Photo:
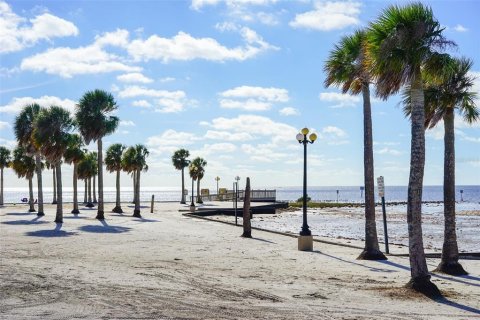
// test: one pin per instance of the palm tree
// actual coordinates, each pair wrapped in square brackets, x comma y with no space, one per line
[4,163]
[442,97]
[23,129]
[74,154]
[399,44]
[193,171]
[24,166]
[94,122]
[200,165]
[180,162]
[345,67]
[113,162]
[51,135]
[135,160]
[87,168]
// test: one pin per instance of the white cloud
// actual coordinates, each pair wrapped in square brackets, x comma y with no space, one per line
[252,98]
[460,28]
[389,151]
[216,148]
[341,100]
[142,104]
[134,77]
[248,105]
[164,101]
[289,111]
[127,123]
[329,15]
[10,144]
[170,140]
[198,4]
[16,33]
[261,93]
[167,79]
[333,136]
[335,131]
[228,136]
[67,62]
[117,38]
[184,47]
[4,125]
[17,104]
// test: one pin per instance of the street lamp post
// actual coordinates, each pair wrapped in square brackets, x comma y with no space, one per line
[305,241]
[237,178]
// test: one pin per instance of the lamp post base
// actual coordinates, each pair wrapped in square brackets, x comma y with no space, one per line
[305,243]
[192,208]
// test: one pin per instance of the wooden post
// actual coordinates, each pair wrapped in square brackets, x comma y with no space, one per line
[247,226]
[151,205]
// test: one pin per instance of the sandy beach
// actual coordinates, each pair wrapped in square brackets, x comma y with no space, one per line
[169,266]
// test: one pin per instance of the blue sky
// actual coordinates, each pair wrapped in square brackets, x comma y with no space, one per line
[232,81]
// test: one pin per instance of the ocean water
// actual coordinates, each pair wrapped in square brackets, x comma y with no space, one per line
[470,195]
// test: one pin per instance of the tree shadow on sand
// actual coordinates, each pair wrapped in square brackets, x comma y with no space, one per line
[19,213]
[355,263]
[459,279]
[25,222]
[104,228]
[57,232]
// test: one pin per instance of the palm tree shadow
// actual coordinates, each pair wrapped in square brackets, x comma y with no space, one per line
[355,263]
[25,222]
[444,277]
[458,305]
[104,228]
[145,220]
[19,213]
[57,232]
[263,240]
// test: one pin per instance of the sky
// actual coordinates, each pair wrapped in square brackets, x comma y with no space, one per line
[232,81]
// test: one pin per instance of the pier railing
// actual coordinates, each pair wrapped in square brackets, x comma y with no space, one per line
[255,196]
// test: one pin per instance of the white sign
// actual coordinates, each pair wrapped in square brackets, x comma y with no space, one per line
[381,186]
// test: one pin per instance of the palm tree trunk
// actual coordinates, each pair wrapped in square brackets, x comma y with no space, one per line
[199,196]
[89,202]
[134,186]
[85,193]
[1,187]
[183,186]
[59,215]
[100,212]
[38,167]
[247,227]
[449,263]
[75,196]
[136,212]
[420,278]
[371,251]
[118,207]
[30,195]
[54,186]
[94,191]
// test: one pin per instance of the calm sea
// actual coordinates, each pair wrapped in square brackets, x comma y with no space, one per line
[470,194]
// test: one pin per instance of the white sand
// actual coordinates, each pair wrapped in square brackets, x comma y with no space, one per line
[168,266]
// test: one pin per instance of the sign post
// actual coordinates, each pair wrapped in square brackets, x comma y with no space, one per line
[381,193]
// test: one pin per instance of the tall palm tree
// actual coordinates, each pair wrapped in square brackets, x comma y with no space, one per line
[135,160]
[73,155]
[113,162]
[452,91]
[23,129]
[200,165]
[87,168]
[400,43]
[180,162]
[4,163]
[94,122]
[345,67]
[51,134]
[24,166]
[193,171]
